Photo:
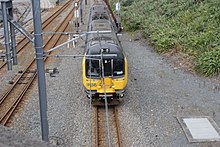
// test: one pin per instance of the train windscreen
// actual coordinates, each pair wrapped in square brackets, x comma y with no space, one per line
[111,68]
[118,67]
[92,68]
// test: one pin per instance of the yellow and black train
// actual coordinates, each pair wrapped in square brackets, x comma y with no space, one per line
[104,66]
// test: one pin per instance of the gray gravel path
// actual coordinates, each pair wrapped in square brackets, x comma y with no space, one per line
[157,93]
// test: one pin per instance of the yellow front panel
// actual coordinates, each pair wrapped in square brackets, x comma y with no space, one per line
[108,87]
[111,84]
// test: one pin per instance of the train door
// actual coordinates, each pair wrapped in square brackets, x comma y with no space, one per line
[108,73]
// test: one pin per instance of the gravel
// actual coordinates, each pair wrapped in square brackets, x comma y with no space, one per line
[157,93]
[6,76]
[69,112]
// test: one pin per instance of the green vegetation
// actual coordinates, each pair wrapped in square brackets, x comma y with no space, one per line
[191,26]
[209,63]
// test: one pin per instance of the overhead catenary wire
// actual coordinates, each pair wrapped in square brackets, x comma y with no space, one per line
[90,102]
[88,56]
[90,97]
[105,97]
[100,58]
[78,37]
[106,105]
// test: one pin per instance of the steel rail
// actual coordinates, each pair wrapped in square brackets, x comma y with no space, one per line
[97,127]
[14,105]
[54,39]
[15,82]
[24,42]
[114,121]
[117,127]
[26,9]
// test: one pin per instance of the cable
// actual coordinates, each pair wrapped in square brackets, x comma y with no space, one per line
[90,100]
[105,98]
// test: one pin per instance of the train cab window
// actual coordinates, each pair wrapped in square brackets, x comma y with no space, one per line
[107,67]
[92,68]
[118,68]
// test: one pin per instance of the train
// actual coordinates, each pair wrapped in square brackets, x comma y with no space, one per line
[104,65]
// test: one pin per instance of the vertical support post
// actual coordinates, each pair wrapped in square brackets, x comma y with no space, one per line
[13,40]
[81,10]
[38,42]
[85,2]
[6,34]
[71,44]
[74,42]
[118,18]
[68,45]
[76,16]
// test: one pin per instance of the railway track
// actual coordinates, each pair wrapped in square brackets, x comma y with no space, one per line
[25,43]
[102,138]
[13,96]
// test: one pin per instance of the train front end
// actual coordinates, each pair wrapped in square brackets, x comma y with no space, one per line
[105,76]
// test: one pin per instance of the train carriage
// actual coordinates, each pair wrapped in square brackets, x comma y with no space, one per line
[104,66]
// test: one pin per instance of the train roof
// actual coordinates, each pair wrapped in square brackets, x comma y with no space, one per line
[108,49]
[102,40]
[98,8]
[100,24]
[100,21]
[99,11]
[96,16]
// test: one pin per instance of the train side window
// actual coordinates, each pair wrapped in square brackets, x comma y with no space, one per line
[118,68]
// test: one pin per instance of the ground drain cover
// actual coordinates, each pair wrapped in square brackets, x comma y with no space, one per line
[200,129]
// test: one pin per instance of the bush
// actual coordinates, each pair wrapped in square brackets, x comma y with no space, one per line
[126,3]
[208,63]
[191,24]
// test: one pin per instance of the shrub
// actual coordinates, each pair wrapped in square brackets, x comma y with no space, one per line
[126,3]
[191,24]
[208,63]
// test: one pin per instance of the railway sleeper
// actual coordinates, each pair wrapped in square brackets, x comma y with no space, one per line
[22,82]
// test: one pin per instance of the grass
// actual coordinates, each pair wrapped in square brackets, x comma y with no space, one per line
[191,25]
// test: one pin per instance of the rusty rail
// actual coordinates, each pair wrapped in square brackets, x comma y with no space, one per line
[24,42]
[16,92]
[111,12]
[100,127]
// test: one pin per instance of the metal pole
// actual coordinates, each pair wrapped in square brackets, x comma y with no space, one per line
[76,15]
[77,20]
[106,106]
[13,41]
[118,12]
[38,42]
[6,34]
[119,19]
[81,10]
